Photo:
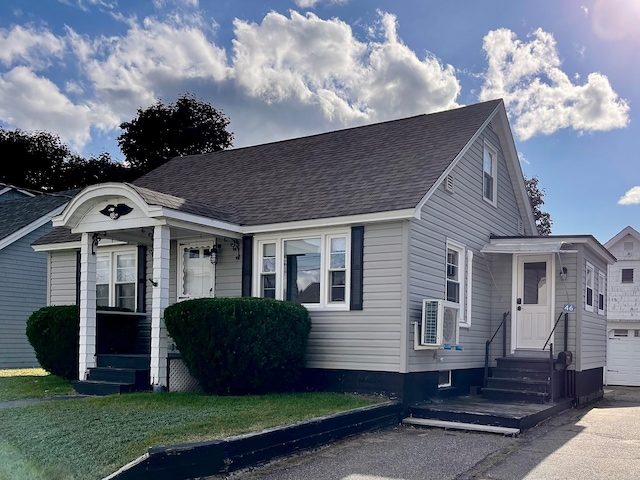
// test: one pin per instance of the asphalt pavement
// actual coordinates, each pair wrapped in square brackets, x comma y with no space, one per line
[601,441]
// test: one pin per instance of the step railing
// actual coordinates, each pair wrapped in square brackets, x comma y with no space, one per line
[505,315]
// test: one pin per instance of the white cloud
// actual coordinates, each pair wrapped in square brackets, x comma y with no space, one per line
[320,62]
[632,197]
[539,96]
[313,3]
[29,45]
[585,9]
[35,103]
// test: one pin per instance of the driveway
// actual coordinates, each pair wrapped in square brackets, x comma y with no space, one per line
[599,442]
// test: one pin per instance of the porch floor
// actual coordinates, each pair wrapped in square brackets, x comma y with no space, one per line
[481,411]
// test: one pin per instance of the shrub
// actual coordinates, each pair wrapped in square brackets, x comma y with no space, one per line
[53,333]
[240,346]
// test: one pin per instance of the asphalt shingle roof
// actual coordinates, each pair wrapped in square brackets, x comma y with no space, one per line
[375,168]
[16,214]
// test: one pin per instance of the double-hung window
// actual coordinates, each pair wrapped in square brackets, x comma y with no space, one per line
[458,272]
[489,174]
[589,280]
[602,288]
[309,269]
[116,275]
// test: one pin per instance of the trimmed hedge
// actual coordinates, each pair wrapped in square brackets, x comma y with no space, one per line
[53,332]
[241,346]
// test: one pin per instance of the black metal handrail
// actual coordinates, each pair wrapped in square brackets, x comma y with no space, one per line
[505,315]
[566,316]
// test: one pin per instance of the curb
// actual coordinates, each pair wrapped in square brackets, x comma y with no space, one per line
[194,460]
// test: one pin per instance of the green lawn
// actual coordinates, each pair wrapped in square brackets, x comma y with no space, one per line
[90,438]
[31,383]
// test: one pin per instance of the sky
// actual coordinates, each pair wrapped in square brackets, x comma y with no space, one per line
[568,71]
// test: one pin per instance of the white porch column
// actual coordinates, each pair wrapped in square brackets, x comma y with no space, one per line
[87,339]
[161,236]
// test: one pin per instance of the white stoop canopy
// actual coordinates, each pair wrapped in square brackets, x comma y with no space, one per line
[524,245]
[128,213]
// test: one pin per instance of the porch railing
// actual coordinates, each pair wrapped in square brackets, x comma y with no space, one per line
[505,315]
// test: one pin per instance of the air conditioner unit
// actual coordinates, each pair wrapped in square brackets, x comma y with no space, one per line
[440,324]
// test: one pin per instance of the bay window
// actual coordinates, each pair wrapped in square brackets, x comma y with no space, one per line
[309,269]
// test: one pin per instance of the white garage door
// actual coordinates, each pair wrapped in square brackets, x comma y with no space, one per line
[623,357]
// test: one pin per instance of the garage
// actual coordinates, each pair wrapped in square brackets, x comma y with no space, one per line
[623,357]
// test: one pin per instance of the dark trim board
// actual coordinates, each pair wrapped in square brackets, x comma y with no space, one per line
[408,388]
[203,459]
[587,385]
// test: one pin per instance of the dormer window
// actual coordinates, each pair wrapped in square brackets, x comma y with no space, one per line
[489,174]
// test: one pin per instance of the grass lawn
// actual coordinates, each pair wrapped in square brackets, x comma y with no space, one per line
[90,438]
[31,383]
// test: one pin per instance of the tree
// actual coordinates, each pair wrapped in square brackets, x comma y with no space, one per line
[161,132]
[536,197]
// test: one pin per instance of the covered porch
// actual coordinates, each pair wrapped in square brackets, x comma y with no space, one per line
[140,251]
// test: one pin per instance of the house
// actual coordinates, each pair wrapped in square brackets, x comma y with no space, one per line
[23,272]
[623,318]
[406,240]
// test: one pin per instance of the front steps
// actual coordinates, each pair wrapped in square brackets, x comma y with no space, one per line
[520,379]
[115,374]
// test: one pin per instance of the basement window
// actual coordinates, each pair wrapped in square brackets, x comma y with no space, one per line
[444,379]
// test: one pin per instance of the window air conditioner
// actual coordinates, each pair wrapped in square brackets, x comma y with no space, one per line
[440,324]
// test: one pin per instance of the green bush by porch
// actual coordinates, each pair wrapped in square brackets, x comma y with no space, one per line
[53,332]
[240,346]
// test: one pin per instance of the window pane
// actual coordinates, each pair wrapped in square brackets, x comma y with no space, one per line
[103,270]
[453,259]
[338,282]
[600,302]
[126,268]
[102,295]
[453,292]
[269,257]
[126,295]
[268,286]
[302,270]
[488,186]
[488,162]
[338,251]
[627,275]
[535,283]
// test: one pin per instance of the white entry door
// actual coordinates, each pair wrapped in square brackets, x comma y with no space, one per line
[533,301]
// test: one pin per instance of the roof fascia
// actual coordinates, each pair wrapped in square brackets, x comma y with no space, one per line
[623,233]
[8,188]
[53,247]
[405,214]
[27,229]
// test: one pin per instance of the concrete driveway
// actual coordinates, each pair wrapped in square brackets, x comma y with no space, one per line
[599,442]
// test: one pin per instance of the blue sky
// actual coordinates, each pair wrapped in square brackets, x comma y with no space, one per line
[568,71]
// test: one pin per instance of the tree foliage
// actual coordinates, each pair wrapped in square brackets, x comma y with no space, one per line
[40,161]
[161,132]
[536,197]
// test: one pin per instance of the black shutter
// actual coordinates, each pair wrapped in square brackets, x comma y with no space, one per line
[247,255]
[78,259]
[357,255]
[142,279]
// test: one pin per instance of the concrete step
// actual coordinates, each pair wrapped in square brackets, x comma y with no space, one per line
[139,362]
[427,422]
[101,388]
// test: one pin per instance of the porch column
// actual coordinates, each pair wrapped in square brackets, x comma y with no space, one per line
[160,301]
[87,339]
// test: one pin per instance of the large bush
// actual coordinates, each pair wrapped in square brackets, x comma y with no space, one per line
[53,333]
[239,346]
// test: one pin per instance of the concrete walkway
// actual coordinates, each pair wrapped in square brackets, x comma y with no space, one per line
[598,442]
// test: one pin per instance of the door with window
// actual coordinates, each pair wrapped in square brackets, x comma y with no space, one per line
[533,301]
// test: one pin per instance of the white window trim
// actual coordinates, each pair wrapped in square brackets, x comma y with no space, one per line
[587,307]
[602,291]
[180,244]
[112,251]
[462,279]
[494,174]
[465,319]
[325,249]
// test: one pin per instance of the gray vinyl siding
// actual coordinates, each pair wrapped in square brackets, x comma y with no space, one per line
[368,339]
[62,284]
[466,218]
[501,266]
[591,328]
[23,289]
[566,293]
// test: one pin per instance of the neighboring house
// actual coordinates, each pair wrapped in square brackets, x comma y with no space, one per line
[9,192]
[623,318]
[23,272]
[361,226]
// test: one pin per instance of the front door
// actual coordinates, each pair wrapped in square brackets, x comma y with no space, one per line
[533,301]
